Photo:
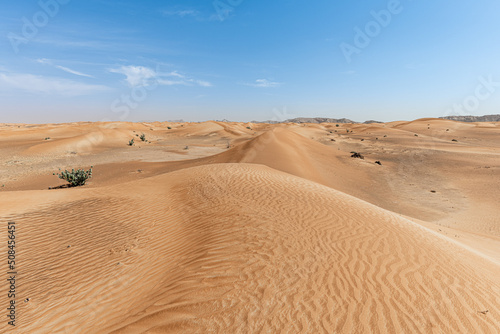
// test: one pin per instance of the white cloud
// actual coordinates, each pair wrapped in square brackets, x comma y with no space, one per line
[47,85]
[264,83]
[144,76]
[136,75]
[45,61]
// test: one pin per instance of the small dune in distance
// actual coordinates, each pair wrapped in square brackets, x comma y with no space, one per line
[232,227]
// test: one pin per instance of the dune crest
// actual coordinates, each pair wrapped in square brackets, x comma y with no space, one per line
[239,247]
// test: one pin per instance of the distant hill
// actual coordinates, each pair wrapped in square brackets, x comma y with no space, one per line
[371,121]
[486,118]
[318,120]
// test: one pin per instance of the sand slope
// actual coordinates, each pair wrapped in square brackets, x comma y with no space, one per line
[241,248]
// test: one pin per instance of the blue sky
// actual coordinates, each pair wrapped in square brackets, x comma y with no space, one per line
[242,60]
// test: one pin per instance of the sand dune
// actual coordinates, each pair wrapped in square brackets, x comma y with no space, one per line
[281,232]
[186,256]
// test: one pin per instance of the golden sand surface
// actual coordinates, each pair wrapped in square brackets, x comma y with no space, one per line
[218,227]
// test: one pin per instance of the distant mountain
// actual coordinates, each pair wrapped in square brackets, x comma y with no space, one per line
[486,118]
[318,120]
[268,122]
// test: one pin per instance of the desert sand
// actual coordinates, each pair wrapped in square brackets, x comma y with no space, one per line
[221,227]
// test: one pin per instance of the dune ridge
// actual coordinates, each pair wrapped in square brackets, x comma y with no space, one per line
[239,247]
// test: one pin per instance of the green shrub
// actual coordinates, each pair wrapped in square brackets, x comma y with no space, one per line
[143,137]
[76,177]
[131,142]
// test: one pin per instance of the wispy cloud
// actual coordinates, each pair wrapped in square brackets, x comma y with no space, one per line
[181,13]
[68,42]
[115,43]
[65,69]
[44,61]
[185,82]
[195,14]
[73,71]
[47,85]
[145,76]
[176,74]
[203,83]
[166,82]
[264,83]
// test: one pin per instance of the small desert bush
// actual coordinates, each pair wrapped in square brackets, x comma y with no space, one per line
[131,142]
[356,155]
[75,177]
[143,137]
